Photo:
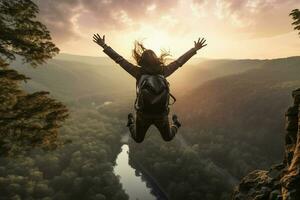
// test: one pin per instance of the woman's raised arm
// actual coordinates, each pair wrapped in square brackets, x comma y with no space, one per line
[173,66]
[127,66]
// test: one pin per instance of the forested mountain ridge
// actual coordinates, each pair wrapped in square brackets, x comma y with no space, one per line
[68,77]
[249,101]
[70,80]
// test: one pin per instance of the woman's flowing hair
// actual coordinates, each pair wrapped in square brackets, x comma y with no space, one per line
[139,49]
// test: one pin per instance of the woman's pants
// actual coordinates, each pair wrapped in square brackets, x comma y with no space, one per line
[143,122]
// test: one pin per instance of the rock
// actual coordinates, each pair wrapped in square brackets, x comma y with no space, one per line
[255,185]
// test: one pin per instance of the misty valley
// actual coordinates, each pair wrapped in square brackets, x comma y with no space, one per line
[232,114]
[84,115]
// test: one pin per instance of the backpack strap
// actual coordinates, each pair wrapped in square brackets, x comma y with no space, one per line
[141,83]
[174,99]
[168,85]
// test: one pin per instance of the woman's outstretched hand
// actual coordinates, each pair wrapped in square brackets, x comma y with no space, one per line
[200,43]
[100,41]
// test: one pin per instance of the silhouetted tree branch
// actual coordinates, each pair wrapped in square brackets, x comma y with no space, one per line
[296,17]
[21,34]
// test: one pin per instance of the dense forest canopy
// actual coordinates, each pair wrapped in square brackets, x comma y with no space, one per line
[82,169]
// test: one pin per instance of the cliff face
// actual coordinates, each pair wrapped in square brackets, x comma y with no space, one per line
[282,181]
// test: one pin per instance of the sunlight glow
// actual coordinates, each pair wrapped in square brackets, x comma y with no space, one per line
[154,39]
[229,34]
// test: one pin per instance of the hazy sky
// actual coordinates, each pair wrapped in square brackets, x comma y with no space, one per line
[233,28]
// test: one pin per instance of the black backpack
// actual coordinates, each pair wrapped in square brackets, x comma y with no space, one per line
[153,94]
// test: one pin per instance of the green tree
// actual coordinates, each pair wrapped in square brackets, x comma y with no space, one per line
[21,34]
[296,17]
[26,120]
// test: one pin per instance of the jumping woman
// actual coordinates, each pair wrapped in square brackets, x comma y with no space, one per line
[152,89]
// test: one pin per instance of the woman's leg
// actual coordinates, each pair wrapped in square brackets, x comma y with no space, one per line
[166,130]
[138,128]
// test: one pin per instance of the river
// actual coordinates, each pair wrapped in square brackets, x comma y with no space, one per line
[132,182]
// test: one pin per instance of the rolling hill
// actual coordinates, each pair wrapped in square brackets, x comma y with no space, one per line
[69,77]
[72,80]
[251,103]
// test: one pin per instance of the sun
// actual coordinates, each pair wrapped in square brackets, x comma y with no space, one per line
[153,38]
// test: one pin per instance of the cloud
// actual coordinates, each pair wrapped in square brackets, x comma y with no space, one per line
[72,20]
[64,17]
[58,16]
[262,18]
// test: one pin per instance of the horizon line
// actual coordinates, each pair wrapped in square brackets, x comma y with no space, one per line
[205,58]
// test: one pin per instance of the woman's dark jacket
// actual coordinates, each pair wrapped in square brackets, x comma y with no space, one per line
[135,71]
